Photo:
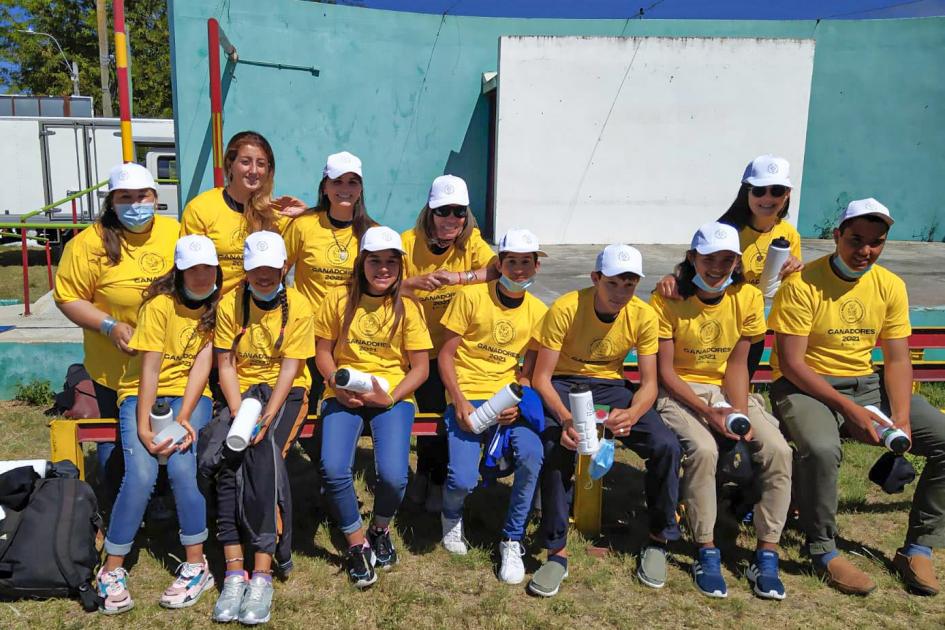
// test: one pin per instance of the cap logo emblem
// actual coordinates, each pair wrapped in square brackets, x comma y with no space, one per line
[450,189]
[772,168]
[720,234]
[387,236]
[195,246]
[623,256]
[869,205]
[262,246]
[123,175]
[526,239]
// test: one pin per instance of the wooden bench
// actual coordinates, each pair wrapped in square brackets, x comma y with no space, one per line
[67,436]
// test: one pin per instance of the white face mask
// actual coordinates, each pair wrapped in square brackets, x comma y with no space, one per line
[702,284]
[516,287]
[135,217]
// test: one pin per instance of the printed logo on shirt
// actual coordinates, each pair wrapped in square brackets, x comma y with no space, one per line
[187,336]
[369,324]
[602,348]
[237,237]
[503,332]
[336,255]
[261,338]
[151,263]
[709,332]
[852,311]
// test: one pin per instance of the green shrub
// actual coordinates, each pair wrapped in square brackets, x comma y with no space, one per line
[38,392]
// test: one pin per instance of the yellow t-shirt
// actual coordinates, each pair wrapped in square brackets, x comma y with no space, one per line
[368,346]
[323,255]
[842,320]
[590,347]
[755,245]
[167,326]
[257,359]
[208,214]
[420,260]
[704,335]
[494,337]
[86,274]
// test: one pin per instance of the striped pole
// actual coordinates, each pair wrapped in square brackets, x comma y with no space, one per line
[124,92]
[216,100]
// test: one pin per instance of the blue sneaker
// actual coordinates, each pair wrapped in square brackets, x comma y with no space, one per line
[763,575]
[707,572]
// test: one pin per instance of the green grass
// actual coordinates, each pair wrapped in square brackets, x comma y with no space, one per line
[431,589]
[11,272]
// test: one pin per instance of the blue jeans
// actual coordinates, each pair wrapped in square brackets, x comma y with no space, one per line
[463,470]
[390,431]
[141,471]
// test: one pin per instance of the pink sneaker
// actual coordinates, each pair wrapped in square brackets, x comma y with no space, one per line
[192,580]
[113,589]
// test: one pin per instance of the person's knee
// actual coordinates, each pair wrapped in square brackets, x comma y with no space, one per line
[334,470]
[822,455]
[529,457]
[703,454]
[665,444]
[141,474]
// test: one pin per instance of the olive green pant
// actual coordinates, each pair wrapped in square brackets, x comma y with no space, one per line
[816,431]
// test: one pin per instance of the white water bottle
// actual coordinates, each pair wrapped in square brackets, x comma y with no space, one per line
[736,422]
[778,253]
[893,438]
[245,425]
[487,414]
[161,418]
[357,381]
[584,418]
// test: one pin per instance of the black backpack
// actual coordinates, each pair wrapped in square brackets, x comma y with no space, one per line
[48,535]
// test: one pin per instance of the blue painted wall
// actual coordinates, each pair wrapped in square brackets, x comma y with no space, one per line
[402,90]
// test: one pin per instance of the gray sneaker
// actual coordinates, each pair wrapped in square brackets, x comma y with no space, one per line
[547,580]
[652,567]
[257,602]
[227,608]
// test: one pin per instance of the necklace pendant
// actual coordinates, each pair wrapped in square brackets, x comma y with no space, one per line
[343,255]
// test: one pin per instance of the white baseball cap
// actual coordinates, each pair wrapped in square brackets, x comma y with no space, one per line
[381,237]
[614,260]
[448,190]
[520,241]
[338,164]
[195,249]
[768,170]
[130,176]
[716,237]
[263,249]
[866,207]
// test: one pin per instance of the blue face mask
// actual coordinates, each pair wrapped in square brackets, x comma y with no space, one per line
[197,297]
[516,287]
[700,283]
[602,460]
[845,271]
[136,217]
[265,297]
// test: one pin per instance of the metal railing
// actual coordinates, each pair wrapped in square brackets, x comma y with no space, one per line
[23,225]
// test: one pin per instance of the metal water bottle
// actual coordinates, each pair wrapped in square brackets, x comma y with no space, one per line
[161,418]
[487,414]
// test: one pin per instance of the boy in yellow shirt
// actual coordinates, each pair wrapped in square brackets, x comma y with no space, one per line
[827,320]
[584,339]
[487,328]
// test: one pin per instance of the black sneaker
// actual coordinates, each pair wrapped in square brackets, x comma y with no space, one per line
[384,552]
[359,563]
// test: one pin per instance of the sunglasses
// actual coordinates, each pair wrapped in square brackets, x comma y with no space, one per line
[444,211]
[775,191]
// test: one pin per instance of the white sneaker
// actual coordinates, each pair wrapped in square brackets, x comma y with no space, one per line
[453,535]
[434,501]
[512,570]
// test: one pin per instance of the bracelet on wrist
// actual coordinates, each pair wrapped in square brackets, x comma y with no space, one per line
[107,325]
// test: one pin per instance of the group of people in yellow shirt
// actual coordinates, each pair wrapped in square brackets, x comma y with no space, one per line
[198,315]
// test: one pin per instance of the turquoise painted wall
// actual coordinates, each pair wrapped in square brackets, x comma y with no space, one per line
[402,90]
[26,362]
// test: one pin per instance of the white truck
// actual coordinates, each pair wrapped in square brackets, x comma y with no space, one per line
[48,158]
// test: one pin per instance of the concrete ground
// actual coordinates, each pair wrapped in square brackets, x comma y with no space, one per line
[921,265]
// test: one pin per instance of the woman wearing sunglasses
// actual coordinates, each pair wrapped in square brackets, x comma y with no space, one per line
[443,252]
[758,214]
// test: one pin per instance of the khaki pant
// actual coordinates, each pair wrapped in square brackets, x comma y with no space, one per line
[697,493]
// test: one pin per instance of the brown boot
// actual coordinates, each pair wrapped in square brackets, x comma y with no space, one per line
[846,578]
[917,572]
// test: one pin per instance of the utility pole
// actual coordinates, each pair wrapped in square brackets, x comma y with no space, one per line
[100,16]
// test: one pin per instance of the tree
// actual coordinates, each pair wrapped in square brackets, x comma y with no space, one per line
[32,64]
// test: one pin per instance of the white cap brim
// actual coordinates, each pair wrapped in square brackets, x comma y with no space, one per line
[705,250]
[769,181]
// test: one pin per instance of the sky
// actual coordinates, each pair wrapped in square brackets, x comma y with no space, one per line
[670,9]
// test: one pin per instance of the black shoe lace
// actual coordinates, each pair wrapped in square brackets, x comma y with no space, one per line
[357,563]
[382,545]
